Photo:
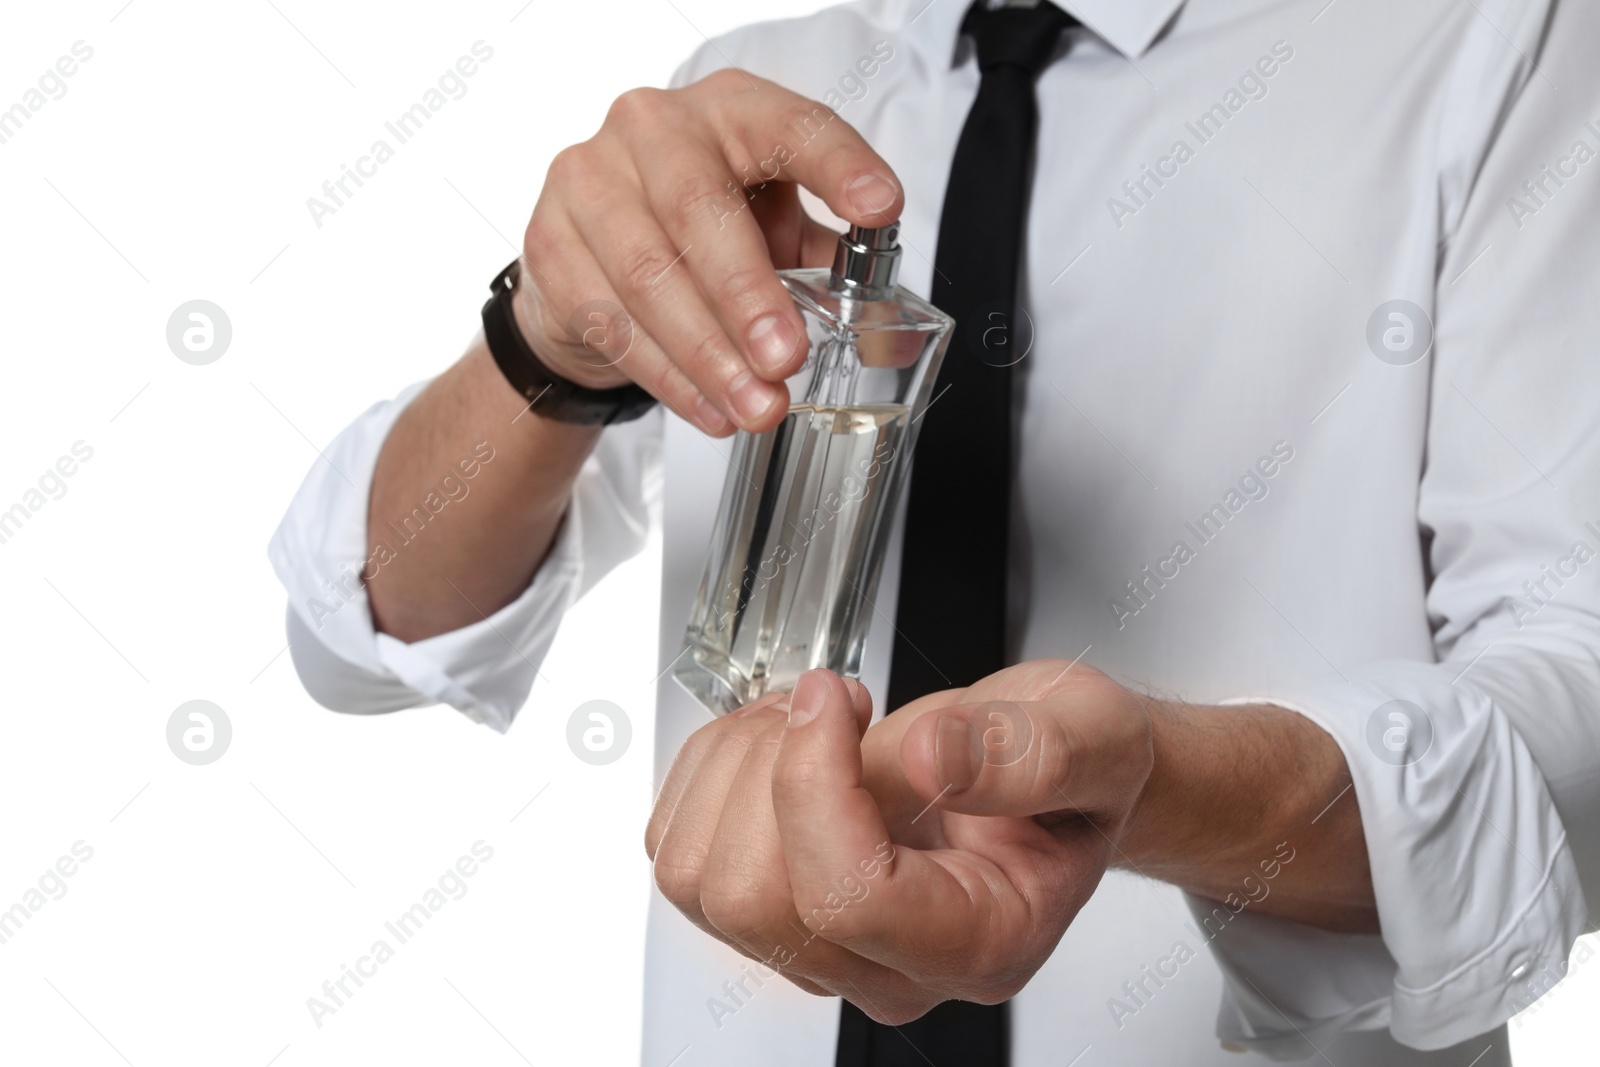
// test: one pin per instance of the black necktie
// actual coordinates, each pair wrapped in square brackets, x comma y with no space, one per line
[950,622]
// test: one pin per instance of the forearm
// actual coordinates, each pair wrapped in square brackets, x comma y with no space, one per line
[480,552]
[1229,786]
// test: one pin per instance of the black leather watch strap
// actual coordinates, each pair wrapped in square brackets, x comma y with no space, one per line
[547,392]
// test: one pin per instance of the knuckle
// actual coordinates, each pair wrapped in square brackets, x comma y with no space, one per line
[847,925]
[832,919]
[711,350]
[800,776]
[539,240]
[678,877]
[748,289]
[542,231]
[723,80]
[705,738]
[570,168]
[643,266]
[699,199]
[636,105]
[732,904]
[901,1012]
[1058,669]
[1004,991]
[739,739]
[991,990]
[984,979]
[674,390]
[806,118]
[1047,765]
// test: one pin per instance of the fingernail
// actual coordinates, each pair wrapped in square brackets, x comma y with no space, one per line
[871,194]
[952,754]
[711,419]
[750,396]
[808,697]
[772,342]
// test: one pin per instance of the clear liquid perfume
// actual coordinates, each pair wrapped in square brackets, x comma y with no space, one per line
[805,511]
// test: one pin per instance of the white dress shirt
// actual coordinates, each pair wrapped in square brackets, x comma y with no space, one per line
[1236,481]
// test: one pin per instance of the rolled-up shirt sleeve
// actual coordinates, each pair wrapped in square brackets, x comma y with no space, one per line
[1478,775]
[486,669]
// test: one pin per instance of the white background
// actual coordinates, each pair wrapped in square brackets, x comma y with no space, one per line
[218,899]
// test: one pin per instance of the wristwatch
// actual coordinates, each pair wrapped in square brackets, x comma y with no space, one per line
[555,397]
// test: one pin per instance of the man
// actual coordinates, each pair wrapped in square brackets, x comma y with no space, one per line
[1304,466]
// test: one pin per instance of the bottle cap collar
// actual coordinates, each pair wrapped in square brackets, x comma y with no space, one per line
[866,261]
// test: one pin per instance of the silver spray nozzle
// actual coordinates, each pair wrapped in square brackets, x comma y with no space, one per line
[866,261]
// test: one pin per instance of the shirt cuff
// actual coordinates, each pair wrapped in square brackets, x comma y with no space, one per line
[487,669]
[1290,989]
[1478,896]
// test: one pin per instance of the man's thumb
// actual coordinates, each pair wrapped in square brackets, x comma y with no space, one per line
[1007,758]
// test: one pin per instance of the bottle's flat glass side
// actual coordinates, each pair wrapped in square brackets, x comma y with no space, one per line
[705,668]
[803,520]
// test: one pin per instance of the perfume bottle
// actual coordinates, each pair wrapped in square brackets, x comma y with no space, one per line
[805,511]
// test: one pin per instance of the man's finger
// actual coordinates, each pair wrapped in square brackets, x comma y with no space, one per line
[745,892]
[794,238]
[702,209]
[831,827]
[851,884]
[780,132]
[685,842]
[679,775]
[1080,749]
[645,268]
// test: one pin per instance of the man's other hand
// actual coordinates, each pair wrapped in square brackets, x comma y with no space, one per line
[938,855]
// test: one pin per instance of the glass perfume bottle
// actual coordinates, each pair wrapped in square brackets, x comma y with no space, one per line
[805,511]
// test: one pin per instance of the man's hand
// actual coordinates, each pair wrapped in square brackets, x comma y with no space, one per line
[939,855]
[650,256]
[942,853]
[659,215]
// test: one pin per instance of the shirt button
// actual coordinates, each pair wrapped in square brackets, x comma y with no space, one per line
[1519,972]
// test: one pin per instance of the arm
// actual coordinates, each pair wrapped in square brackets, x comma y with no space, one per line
[652,226]
[1227,787]
[944,854]
[494,538]
[1483,845]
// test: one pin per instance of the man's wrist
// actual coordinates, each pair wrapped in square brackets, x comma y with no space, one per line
[558,397]
[1233,792]
[1223,779]
[1158,813]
